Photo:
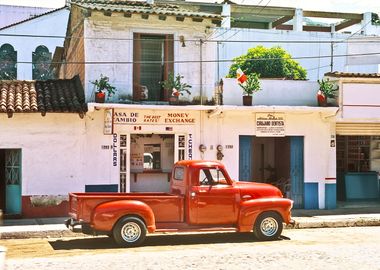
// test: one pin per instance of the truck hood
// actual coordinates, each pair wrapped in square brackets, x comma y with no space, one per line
[258,190]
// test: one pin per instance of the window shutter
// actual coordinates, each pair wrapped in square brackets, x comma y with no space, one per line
[136,65]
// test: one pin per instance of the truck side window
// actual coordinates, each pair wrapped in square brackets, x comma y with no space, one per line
[211,176]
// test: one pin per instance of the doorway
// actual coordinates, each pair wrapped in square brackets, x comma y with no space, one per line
[274,160]
[10,181]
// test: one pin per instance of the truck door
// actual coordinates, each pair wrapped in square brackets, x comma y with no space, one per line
[214,200]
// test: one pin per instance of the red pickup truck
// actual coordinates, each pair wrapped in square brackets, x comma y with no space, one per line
[202,198]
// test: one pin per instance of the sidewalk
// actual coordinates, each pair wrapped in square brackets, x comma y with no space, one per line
[54,227]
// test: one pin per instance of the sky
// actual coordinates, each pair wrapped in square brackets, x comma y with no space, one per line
[355,6]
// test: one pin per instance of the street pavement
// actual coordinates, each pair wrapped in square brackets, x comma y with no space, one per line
[341,217]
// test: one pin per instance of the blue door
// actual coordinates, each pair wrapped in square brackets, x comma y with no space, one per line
[13,181]
[297,171]
[245,158]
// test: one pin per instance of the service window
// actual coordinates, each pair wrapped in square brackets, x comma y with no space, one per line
[152,156]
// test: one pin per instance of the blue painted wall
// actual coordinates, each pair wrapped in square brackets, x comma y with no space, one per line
[330,196]
[311,196]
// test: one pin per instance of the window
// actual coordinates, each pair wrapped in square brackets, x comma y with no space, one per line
[211,176]
[179,173]
[152,156]
[152,62]
[41,59]
[8,62]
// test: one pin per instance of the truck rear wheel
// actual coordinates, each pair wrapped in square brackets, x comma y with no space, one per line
[129,232]
[268,226]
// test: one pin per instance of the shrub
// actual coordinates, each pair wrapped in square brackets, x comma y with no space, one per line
[268,63]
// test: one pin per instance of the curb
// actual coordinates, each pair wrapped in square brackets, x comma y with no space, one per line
[60,230]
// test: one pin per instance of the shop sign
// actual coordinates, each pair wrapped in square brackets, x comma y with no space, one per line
[108,122]
[270,124]
[145,118]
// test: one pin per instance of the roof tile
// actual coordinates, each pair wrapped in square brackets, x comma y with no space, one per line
[58,96]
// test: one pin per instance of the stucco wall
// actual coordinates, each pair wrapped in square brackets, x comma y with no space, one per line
[51,150]
[110,39]
[50,27]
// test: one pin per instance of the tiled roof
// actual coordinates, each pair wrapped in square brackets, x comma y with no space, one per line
[142,7]
[352,75]
[58,96]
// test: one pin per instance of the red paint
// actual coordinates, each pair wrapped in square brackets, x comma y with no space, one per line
[30,211]
[189,205]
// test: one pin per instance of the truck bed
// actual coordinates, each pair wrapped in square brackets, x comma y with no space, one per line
[166,207]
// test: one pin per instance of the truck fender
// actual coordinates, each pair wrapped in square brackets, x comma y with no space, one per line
[105,215]
[251,209]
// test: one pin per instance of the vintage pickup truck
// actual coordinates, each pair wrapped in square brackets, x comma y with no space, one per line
[202,198]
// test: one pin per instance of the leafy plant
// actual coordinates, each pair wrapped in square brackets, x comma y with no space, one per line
[174,84]
[268,63]
[251,85]
[103,85]
[327,88]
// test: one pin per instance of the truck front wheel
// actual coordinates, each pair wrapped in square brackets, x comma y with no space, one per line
[268,226]
[129,232]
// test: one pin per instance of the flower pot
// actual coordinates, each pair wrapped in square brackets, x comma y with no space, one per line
[322,100]
[173,100]
[100,97]
[247,100]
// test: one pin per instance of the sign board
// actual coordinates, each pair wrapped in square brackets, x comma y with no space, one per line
[108,122]
[270,124]
[123,117]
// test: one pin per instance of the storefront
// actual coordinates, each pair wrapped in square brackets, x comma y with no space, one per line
[358,138]
[271,144]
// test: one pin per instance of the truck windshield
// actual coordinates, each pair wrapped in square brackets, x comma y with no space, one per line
[211,176]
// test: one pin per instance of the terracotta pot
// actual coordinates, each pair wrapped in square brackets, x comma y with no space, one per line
[173,100]
[322,100]
[100,97]
[247,100]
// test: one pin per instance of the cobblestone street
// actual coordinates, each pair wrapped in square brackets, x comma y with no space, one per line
[340,248]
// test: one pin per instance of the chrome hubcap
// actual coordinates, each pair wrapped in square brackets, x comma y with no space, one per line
[130,232]
[269,226]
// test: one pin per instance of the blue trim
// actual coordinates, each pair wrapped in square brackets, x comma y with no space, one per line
[245,158]
[297,171]
[101,188]
[311,196]
[330,196]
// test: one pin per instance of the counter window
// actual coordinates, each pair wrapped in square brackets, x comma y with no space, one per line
[152,156]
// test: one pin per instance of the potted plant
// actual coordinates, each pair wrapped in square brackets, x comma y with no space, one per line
[102,87]
[326,90]
[250,86]
[177,88]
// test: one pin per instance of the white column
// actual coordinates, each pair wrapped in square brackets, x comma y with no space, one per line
[367,27]
[298,20]
[226,14]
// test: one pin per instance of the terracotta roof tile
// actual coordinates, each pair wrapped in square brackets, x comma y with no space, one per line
[58,96]
[352,75]
[143,7]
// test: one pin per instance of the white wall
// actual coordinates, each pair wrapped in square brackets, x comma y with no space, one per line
[53,24]
[51,150]
[274,92]
[119,48]
[314,57]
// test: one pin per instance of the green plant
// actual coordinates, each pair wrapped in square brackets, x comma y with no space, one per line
[102,84]
[268,63]
[251,85]
[174,84]
[327,88]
